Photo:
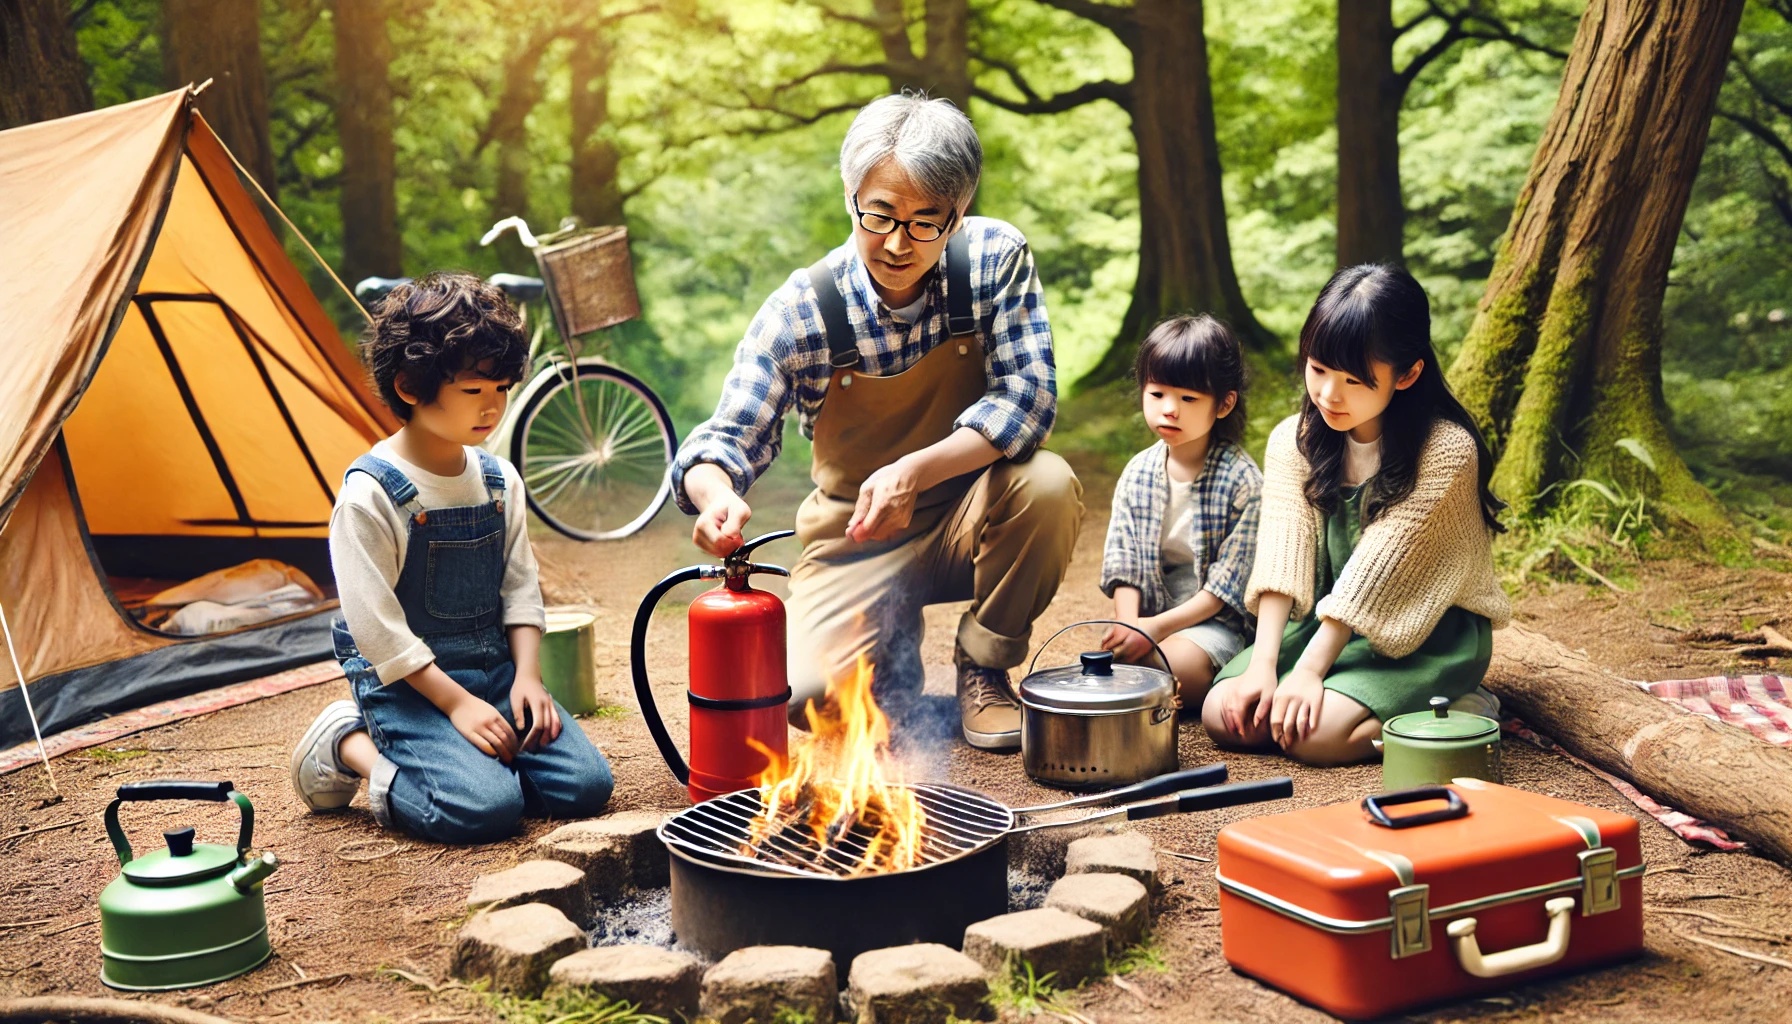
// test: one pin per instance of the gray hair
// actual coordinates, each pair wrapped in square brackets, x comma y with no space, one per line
[931,141]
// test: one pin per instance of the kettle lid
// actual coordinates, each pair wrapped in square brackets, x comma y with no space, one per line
[1440,723]
[183,861]
[1099,685]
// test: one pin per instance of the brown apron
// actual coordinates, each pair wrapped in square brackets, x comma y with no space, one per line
[868,422]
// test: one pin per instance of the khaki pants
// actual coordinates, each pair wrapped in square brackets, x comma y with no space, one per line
[1004,546]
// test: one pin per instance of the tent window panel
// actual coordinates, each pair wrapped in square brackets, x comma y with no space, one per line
[271,469]
[334,443]
[139,461]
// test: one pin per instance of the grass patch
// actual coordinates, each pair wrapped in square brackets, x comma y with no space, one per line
[110,755]
[791,1015]
[611,711]
[568,1006]
[1145,955]
[1024,994]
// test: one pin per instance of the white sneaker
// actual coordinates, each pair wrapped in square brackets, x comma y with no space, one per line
[318,774]
[1479,702]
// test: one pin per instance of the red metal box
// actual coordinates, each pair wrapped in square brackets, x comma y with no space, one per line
[1469,888]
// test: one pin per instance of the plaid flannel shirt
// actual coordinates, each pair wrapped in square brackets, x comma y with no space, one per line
[1226,499]
[783,360]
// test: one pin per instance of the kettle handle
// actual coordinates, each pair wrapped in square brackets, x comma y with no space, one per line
[1101,622]
[638,664]
[178,789]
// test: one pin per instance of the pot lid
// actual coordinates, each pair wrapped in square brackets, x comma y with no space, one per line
[183,861]
[1098,686]
[1440,723]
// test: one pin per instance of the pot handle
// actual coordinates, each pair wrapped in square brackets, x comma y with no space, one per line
[1494,965]
[1374,806]
[178,789]
[1101,622]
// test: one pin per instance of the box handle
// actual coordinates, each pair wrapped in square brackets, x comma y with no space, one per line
[1373,806]
[1495,965]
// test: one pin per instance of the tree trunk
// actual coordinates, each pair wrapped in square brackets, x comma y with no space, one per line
[1707,769]
[1370,214]
[370,240]
[508,131]
[1185,257]
[41,73]
[596,193]
[221,40]
[948,58]
[1566,347]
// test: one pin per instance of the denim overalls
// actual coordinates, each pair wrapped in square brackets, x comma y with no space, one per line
[430,780]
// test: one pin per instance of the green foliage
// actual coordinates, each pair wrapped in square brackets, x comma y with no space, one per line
[570,1006]
[1597,530]
[1145,955]
[1021,992]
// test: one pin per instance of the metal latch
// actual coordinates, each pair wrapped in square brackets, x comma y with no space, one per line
[1598,881]
[1410,906]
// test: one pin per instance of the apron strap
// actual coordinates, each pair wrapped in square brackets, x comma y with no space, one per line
[843,346]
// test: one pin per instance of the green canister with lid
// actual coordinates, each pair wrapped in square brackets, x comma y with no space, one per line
[1433,747]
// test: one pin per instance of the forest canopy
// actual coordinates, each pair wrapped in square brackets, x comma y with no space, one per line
[1156,160]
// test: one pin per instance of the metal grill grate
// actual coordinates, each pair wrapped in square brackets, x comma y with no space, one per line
[958,822]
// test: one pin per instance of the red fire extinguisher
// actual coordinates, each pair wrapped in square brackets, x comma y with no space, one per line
[739,687]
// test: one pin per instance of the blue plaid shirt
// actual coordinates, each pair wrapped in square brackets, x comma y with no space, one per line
[783,360]
[1226,498]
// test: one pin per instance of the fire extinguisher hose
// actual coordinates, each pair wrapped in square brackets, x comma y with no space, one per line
[638,662]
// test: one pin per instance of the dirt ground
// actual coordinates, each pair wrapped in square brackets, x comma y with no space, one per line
[351,902]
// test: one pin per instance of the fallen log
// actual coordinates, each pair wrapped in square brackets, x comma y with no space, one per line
[98,1011]
[1709,770]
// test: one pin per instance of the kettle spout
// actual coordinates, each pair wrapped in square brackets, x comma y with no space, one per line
[250,874]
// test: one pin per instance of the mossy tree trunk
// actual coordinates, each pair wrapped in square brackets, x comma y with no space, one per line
[221,40]
[596,189]
[1564,355]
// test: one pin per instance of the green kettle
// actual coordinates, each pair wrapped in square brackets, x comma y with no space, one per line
[1434,747]
[191,914]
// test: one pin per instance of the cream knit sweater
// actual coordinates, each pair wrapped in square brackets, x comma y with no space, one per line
[1420,557]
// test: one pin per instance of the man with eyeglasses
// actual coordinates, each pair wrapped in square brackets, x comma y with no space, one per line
[918,359]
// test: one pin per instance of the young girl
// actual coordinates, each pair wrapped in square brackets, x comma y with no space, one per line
[1185,510]
[1373,586]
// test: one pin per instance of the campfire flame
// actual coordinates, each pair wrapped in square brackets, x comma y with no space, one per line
[841,782]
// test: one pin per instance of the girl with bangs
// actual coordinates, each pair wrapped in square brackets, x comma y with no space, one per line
[1184,523]
[1373,584]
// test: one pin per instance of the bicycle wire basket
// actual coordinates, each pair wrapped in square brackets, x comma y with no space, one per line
[590,279]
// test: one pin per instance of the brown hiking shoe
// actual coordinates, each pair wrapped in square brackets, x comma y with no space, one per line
[988,711]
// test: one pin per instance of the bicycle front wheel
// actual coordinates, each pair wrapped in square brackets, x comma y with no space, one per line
[594,446]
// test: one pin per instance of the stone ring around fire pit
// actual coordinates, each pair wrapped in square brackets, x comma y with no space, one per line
[742,879]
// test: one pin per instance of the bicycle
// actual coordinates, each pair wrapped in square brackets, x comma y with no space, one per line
[593,443]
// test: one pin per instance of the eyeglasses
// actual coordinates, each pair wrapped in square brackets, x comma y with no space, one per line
[919,230]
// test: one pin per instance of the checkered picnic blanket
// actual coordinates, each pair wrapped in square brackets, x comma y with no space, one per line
[1759,704]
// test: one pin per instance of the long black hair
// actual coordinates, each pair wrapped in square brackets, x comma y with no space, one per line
[1376,313]
[1197,353]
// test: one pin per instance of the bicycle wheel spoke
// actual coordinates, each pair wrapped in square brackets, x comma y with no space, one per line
[596,451]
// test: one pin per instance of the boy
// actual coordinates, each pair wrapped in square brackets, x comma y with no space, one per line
[441,607]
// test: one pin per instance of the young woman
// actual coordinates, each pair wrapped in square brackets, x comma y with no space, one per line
[1184,523]
[1373,585]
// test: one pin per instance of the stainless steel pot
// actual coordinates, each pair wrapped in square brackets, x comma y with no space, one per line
[1099,723]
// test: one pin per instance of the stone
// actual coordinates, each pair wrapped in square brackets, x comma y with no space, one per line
[1054,942]
[1128,853]
[925,983]
[1119,904]
[661,982]
[617,852]
[514,947]
[752,984]
[555,883]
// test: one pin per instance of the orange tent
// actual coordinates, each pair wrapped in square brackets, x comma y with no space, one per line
[175,401]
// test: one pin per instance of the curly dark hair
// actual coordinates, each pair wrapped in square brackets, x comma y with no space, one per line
[432,328]
[1196,353]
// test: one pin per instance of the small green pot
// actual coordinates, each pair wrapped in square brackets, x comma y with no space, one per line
[1433,747]
[569,659]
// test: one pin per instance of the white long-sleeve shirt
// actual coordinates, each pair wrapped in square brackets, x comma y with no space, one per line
[369,535]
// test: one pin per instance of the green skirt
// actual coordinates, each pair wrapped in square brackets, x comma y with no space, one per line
[1450,663]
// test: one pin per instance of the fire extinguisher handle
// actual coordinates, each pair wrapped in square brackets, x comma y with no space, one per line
[638,663]
[746,549]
